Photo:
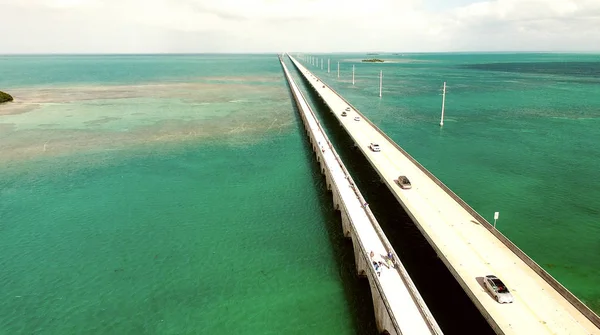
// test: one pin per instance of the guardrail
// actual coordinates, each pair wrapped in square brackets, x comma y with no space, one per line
[423,309]
[563,291]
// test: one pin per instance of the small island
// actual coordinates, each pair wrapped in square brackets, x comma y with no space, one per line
[372,60]
[5,97]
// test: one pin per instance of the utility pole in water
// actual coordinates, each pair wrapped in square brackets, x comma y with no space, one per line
[380,82]
[443,106]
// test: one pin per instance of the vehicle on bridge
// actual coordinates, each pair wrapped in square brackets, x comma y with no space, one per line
[344,113]
[498,289]
[357,118]
[374,147]
[403,182]
[347,109]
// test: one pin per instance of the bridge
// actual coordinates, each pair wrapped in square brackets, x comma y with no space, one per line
[469,246]
[399,308]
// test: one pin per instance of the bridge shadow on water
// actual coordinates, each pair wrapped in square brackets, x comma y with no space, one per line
[449,304]
[356,289]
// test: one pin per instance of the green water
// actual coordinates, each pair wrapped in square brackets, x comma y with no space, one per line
[201,212]
[176,194]
[209,237]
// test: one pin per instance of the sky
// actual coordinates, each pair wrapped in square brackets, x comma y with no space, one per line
[254,26]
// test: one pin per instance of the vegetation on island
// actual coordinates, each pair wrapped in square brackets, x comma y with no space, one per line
[5,97]
[372,60]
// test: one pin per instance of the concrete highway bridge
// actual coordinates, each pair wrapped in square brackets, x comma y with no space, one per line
[469,246]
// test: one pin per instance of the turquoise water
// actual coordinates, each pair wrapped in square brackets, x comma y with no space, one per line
[124,212]
[520,137]
[176,194]
[187,239]
[25,71]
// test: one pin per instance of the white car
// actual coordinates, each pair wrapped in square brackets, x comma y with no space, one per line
[347,109]
[374,147]
[498,289]
[357,118]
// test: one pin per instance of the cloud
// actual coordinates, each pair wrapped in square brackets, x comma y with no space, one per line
[557,25]
[137,26]
[520,10]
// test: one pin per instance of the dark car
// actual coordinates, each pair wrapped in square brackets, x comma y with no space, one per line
[403,182]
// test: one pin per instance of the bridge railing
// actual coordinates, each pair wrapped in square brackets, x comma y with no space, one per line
[414,293]
[563,291]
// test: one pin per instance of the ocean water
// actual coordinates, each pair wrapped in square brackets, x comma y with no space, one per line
[168,202]
[176,194]
[520,137]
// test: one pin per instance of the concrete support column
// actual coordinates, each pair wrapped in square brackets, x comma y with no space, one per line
[346,225]
[337,201]
[359,260]
[382,317]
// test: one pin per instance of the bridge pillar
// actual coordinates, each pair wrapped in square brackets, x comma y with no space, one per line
[359,260]
[346,225]
[382,318]
[336,199]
